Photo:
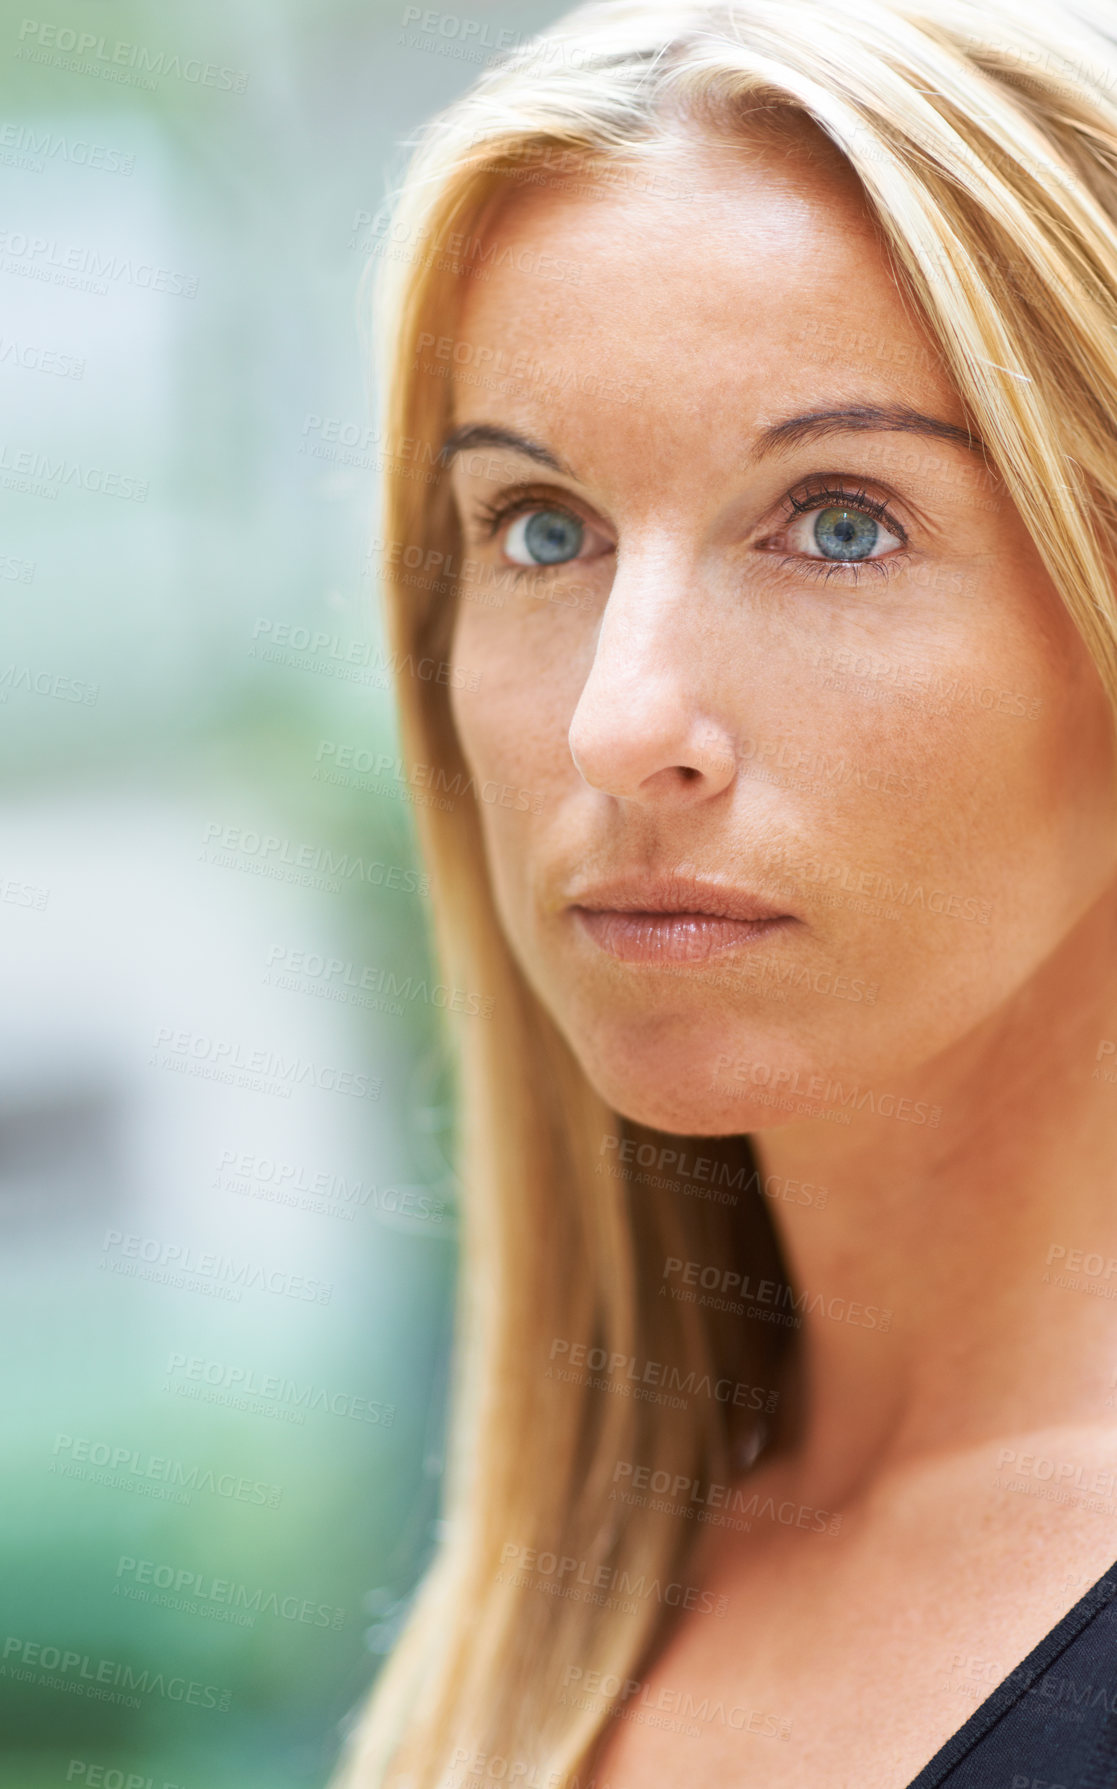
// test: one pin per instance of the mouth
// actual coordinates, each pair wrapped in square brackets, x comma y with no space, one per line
[676,922]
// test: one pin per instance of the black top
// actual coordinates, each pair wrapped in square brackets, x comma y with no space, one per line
[1052,1723]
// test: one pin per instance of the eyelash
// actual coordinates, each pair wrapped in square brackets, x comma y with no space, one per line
[491,515]
[490,518]
[808,499]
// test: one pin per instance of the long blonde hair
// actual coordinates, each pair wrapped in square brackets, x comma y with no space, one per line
[984,136]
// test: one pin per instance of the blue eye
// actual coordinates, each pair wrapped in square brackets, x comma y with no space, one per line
[544,537]
[841,533]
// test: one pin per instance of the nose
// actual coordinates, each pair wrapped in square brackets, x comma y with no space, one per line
[647,727]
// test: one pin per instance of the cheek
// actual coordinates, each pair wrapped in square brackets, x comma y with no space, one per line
[988,790]
[513,728]
[515,724]
[1038,752]
[1062,799]
[968,827]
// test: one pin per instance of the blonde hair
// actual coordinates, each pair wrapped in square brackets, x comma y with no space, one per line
[984,136]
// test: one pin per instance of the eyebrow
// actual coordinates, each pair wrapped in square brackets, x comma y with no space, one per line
[484,434]
[899,418]
[813,425]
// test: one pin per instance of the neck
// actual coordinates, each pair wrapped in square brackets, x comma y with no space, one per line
[991,1237]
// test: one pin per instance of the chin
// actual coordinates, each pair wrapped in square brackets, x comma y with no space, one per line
[684,1094]
[659,1111]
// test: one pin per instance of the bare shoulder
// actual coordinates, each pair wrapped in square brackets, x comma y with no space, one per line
[850,1651]
[1023,1499]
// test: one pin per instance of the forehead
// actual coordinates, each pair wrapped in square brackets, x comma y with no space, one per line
[731,289]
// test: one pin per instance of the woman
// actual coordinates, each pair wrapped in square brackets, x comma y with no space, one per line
[752,487]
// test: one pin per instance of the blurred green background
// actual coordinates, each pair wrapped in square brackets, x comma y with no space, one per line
[226,1182]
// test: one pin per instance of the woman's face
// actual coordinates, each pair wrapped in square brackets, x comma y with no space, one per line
[793,767]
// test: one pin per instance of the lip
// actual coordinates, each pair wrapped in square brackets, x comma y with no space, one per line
[674,920]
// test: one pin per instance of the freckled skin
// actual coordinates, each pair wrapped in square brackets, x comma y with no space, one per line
[673,699]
